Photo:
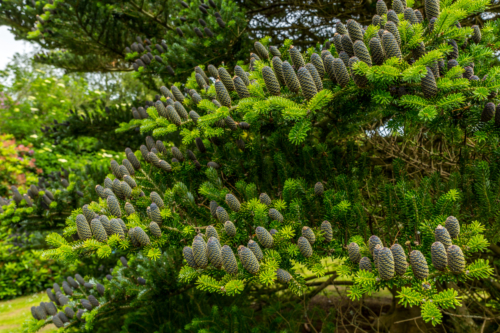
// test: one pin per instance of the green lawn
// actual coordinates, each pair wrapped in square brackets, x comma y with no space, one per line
[15,311]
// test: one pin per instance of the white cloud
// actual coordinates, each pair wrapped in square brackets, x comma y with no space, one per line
[10,46]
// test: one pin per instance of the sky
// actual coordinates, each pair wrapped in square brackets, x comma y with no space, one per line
[10,46]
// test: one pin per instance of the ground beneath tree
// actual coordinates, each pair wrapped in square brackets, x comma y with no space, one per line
[361,316]
[15,311]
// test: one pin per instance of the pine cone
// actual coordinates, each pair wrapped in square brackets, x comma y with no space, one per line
[155,197]
[454,53]
[377,51]
[211,232]
[409,15]
[229,260]
[222,93]
[278,70]
[354,30]
[177,154]
[318,64]
[275,52]
[255,248]
[265,199]
[328,61]
[238,71]
[57,321]
[189,257]
[83,228]
[340,28]
[419,16]
[353,251]
[324,54]
[390,46]
[98,231]
[241,88]
[476,35]
[297,59]
[393,29]
[347,45]
[431,8]
[270,80]
[222,215]
[291,79]
[106,224]
[452,226]
[248,260]
[178,96]
[261,50]
[71,282]
[214,252]
[69,311]
[226,79]
[114,206]
[230,123]
[200,252]
[419,265]
[130,169]
[365,264]
[376,252]
[200,71]
[283,276]
[386,264]
[308,233]
[469,72]
[240,143]
[214,165]
[173,116]
[439,257]
[129,209]
[306,83]
[165,92]
[233,202]
[213,73]
[275,215]
[399,256]
[93,301]
[429,86]
[305,247]
[488,112]
[130,181]
[194,116]
[442,235]
[126,190]
[80,280]
[79,315]
[376,21]
[221,23]
[372,242]
[230,228]
[134,161]
[344,57]
[399,6]
[341,73]
[381,8]
[326,227]
[337,41]
[456,260]
[360,80]
[50,308]
[141,236]
[155,214]
[264,237]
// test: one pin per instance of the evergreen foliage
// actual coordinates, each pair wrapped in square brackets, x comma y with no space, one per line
[398,187]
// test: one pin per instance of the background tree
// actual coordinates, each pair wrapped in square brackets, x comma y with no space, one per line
[93,36]
[389,141]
